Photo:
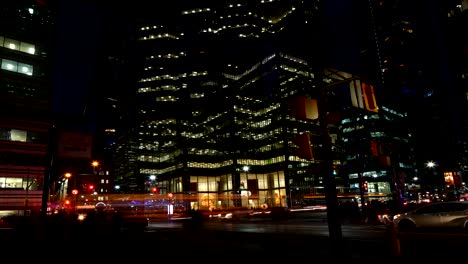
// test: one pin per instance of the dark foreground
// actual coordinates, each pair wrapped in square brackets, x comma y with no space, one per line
[104,240]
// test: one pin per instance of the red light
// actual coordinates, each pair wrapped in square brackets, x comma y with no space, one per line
[91,187]
[155,190]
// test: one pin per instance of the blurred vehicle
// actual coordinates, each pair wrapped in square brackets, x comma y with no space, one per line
[440,215]
[224,216]
[385,218]
[386,215]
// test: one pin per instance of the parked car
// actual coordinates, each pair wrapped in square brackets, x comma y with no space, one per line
[441,215]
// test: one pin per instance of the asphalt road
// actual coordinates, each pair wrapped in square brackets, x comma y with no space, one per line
[291,239]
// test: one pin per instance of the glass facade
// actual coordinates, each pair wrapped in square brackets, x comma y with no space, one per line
[226,86]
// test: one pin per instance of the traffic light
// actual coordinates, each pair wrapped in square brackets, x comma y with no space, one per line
[91,188]
[335,169]
[364,186]
[154,190]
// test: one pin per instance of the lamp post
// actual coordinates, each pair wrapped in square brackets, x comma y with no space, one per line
[68,175]
[431,165]
[95,164]
[246,170]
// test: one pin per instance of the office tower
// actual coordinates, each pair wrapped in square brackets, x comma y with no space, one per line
[227,105]
[457,15]
[415,60]
[27,38]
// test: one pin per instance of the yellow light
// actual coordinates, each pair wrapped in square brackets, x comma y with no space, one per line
[68,175]
[81,217]
[95,164]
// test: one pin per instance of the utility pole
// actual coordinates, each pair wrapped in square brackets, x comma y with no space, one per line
[334,223]
[361,184]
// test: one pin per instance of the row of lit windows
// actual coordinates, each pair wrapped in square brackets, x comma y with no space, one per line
[19,183]
[369,174]
[269,20]
[14,66]
[239,76]
[17,45]
[265,148]
[198,10]
[157,123]
[170,77]
[172,88]
[205,165]
[357,119]
[246,162]
[163,158]
[195,11]
[294,70]
[271,107]
[167,56]
[160,36]
[161,171]
[393,111]
[292,58]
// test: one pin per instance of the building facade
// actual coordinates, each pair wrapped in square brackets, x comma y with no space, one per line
[229,98]
[27,31]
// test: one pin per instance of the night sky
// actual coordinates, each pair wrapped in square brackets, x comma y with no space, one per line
[80,33]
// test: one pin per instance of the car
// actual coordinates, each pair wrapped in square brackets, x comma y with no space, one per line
[448,215]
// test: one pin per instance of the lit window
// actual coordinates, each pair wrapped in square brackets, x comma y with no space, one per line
[27,47]
[25,69]
[11,44]
[18,135]
[9,65]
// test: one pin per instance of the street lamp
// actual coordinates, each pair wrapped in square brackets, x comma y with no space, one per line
[68,175]
[431,164]
[246,170]
[434,180]
[94,163]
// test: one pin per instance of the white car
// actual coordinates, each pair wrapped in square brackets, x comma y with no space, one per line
[440,215]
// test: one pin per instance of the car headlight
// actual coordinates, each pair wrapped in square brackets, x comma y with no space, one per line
[81,217]
[396,216]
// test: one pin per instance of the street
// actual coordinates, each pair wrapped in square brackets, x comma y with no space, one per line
[296,238]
